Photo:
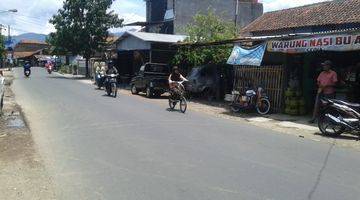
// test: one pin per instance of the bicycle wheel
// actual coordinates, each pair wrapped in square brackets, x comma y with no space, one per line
[183,104]
[172,104]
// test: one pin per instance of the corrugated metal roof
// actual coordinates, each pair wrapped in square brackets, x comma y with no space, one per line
[24,54]
[156,37]
[25,41]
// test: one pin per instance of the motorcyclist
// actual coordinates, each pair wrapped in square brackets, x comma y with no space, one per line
[49,65]
[100,71]
[27,67]
[110,71]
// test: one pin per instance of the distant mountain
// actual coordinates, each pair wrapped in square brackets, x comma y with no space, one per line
[42,37]
[30,36]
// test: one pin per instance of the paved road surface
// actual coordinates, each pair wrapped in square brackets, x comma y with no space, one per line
[97,147]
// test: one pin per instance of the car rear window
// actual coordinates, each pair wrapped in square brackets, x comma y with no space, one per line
[162,69]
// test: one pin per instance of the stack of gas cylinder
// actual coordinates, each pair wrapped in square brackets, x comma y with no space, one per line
[294,102]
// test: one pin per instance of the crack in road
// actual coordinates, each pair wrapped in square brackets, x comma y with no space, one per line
[318,179]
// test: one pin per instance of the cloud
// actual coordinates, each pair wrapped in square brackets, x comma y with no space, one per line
[129,18]
[34,15]
[271,5]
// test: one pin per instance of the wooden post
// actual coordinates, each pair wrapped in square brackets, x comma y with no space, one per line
[150,56]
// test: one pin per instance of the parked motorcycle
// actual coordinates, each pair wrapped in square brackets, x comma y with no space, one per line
[252,99]
[111,85]
[337,117]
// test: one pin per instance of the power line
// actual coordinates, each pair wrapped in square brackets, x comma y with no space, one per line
[26,16]
[31,22]
[30,19]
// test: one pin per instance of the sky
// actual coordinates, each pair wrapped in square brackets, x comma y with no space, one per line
[33,15]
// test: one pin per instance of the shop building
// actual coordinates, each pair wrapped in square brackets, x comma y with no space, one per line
[295,42]
[28,49]
[137,48]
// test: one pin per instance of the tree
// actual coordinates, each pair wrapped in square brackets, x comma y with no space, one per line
[82,27]
[206,28]
[2,45]
[2,48]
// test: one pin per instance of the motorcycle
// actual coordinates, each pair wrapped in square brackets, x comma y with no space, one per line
[99,80]
[49,69]
[337,117]
[252,99]
[177,95]
[111,85]
[27,73]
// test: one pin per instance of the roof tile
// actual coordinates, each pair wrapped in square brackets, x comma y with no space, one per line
[326,13]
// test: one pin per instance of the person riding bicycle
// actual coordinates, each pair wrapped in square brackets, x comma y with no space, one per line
[175,77]
[177,90]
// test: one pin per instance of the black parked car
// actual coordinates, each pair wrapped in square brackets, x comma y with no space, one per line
[151,79]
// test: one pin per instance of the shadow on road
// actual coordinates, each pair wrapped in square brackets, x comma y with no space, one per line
[105,95]
[343,137]
[160,97]
[174,110]
[69,78]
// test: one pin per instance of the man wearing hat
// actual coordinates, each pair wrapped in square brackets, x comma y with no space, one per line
[326,82]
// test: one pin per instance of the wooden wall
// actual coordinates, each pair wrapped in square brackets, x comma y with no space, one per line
[271,78]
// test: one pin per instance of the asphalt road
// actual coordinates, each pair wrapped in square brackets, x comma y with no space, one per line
[97,147]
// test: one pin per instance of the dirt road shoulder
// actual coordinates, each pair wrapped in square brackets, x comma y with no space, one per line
[22,173]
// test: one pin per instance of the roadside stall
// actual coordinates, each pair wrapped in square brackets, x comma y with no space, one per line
[303,58]
[288,66]
[250,72]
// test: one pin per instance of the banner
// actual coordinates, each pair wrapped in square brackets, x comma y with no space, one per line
[343,42]
[242,56]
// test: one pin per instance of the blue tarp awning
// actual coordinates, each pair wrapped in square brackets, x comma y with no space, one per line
[246,56]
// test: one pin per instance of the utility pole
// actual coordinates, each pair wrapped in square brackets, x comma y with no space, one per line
[236,12]
[1,27]
[9,36]
[1,56]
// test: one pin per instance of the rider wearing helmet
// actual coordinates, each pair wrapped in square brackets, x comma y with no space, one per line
[27,66]
[111,68]
[175,77]
[110,71]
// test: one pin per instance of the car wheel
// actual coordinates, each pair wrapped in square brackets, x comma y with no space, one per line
[134,90]
[158,94]
[207,94]
[149,92]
